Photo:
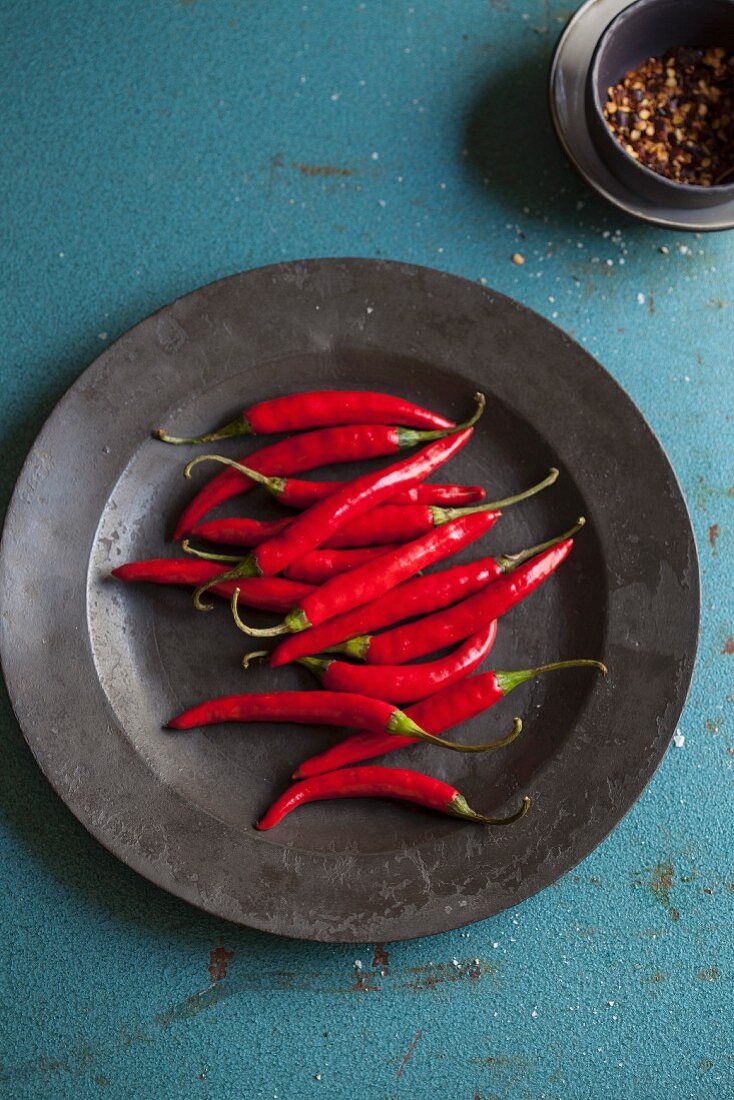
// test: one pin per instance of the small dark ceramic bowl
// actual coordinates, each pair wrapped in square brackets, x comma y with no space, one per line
[647,29]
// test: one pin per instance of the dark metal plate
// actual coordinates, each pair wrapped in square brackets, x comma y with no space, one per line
[94,668]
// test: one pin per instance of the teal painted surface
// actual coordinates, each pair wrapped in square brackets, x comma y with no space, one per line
[152,146]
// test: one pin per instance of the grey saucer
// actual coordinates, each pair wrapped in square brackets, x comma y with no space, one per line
[94,667]
[568,92]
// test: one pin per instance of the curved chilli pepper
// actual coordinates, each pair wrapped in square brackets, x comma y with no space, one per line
[302,494]
[318,409]
[415,597]
[444,628]
[404,683]
[454,704]
[376,782]
[314,526]
[368,582]
[266,593]
[303,452]
[385,523]
[328,708]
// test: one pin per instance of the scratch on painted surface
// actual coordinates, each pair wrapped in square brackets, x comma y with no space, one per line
[409,1053]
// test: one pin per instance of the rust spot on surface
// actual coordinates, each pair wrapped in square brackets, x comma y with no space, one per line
[429,977]
[658,976]
[218,962]
[708,974]
[728,647]
[714,532]
[711,726]
[707,890]
[381,959]
[661,881]
[409,1053]
[730,750]
[101,1080]
[321,169]
[705,1064]
[674,914]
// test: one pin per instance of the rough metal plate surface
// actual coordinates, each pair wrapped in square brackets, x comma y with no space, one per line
[94,668]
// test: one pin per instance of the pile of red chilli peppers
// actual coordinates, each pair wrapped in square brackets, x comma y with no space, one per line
[344,568]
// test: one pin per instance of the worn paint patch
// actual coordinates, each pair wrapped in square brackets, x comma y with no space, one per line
[381,959]
[409,1053]
[219,960]
[714,532]
[429,977]
[708,974]
[321,169]
[660,882]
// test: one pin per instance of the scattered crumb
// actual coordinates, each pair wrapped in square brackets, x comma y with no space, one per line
[518,258]
[679,739]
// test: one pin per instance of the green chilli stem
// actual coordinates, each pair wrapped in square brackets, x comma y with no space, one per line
[251,630]
[509,680]
[403,726]
[444,515]
[508,562]
[247,568]
[459,807]
[256,654]
[408,437]
[206,554]
[238,426]
[274,485]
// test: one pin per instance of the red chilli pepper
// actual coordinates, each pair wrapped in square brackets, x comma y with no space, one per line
[404,683]
[451,625]
[385,523]
[328,708]
[319,409]
[416,597]
[266,593]
[304,452]
[376,782]
[320,565]
[368,582]
[302,494]
[454,704]
[313,569]
[314,526]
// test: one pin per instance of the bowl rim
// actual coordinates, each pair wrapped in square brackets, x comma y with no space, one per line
[723,191]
